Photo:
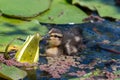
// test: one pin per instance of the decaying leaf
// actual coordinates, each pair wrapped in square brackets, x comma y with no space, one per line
[29,51]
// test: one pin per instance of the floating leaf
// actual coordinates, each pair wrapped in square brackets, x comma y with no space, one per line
[11,20]
[29,51]
[85,3]
[11,29]
[105,8]
[62,12]
[23,8]
[117,72]
[11,72]
[75,79]
[117,79]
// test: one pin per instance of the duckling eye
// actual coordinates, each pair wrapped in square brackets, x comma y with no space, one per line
[56,36]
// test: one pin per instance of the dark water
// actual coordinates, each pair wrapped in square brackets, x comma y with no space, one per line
[103,31]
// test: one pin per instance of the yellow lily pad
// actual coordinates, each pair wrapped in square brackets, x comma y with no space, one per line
[29,51]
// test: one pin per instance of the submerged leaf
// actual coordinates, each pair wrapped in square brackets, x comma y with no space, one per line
[12,28]
[75,79]
[62,12]
[29,51]
[11,72]
[117,72]
[23,8]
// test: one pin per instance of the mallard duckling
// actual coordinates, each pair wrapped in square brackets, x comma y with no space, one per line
[73,41]
[54,43]
[64,42]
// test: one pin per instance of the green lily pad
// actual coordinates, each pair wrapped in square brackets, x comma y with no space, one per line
[105,8]
[62,12]
[85,3]
[11,72]
[83,77]
[11,30]
[117,72]
[23,8]
[75,79]
[11,20]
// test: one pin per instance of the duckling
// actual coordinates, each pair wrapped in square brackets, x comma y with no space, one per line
[73,41]
[64,42]
[54,43]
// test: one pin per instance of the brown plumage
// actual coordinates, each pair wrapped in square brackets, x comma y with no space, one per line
[54,43]
[72,41]
[66,42]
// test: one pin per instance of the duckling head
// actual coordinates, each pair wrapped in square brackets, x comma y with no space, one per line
[55,37]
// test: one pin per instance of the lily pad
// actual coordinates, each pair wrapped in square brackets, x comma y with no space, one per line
[11,30]
[61,12]
[85,3]
[117,72]
[11,72]
[23,8]
[105,8]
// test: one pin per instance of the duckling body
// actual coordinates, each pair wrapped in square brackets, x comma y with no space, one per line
[54,43]
[53,52]
[72,41]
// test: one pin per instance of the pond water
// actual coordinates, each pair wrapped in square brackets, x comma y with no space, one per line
[104,58]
